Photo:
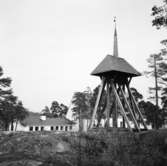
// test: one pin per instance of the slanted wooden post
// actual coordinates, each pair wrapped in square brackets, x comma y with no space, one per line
[121,106]
[123,119]
[137,108]
[108,107]
[103,82]
[130,110]
[115,111]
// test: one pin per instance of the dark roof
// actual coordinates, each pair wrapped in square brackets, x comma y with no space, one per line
[34,120]
[111,64]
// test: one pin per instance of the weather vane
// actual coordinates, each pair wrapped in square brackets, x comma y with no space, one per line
[114,19]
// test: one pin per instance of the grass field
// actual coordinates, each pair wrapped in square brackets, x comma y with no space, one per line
[98,148]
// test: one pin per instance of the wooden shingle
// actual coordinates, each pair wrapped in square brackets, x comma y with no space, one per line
[112,64]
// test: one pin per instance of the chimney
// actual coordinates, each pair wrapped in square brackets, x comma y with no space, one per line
[43,117]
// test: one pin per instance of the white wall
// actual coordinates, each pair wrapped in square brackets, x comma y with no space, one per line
[22,128]
[19,127]
[86,123]
[45,128]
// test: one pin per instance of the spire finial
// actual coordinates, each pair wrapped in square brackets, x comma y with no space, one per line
[114,19]
[115,49]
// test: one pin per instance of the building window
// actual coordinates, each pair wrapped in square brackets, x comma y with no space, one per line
[57,127]
[61,128]
[42,128]
[31,128]
[51,128]
[66,128]
[36,128]
[70,127]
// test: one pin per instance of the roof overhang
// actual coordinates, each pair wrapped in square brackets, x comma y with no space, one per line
[111,66]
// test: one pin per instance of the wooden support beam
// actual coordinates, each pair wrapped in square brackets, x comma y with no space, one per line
[121,106]
[130,110]
[115,113]
[108,107]
[103,82]
[133,106]
[137,108]
[123,103]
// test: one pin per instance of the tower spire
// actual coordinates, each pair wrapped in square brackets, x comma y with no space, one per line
[115,48]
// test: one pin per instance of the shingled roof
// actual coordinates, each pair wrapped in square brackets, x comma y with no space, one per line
[34,120]
[112,64]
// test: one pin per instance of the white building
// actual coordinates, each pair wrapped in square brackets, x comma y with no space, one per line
[37,122]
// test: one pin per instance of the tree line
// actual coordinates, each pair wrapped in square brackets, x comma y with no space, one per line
[11,108]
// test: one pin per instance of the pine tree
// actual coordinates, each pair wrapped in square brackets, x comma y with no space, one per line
[163,72]
[154,62]
[160,15]
[11,109]
[158,66]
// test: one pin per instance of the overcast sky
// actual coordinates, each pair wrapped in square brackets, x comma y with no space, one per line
[50,47]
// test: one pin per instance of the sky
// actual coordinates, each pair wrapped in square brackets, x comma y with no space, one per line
[50,47]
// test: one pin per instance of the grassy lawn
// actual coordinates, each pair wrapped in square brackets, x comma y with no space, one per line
[148,148]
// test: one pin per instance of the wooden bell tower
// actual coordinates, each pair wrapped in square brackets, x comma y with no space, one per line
[116,74]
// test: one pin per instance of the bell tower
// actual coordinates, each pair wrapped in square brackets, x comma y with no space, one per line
[116,74]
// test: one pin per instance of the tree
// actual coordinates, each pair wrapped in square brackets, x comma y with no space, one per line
[155,61]
[55,109]
[80,108]
[84,103]
[58,110]
[102,105]
[7,112]
[158,64]
[138,96]
[5,90]
[46,111]
[64,110]
[160,15]
[160,20]
[163,72]
[11,110]
[154,115]
[20,113]
[6,100]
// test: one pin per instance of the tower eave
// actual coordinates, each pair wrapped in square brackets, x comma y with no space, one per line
[111,65]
